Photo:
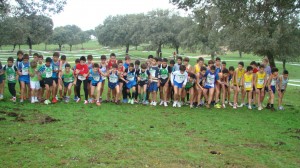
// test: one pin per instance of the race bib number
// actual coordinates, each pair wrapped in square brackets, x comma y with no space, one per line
[11,77]
[152,72]
[239,80]
[260,81]
[273,82]
[210,80]
[96,78]
[25,71]
[164,76]
[82,78]
[113,79]
[48,74]
[247,85]
[68,79]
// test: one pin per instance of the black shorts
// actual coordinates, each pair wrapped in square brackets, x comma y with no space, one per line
[142,83]
[55,80]
[282,90]
[48,81]
[266,89]
[42,83]
[163,82]
[259,89]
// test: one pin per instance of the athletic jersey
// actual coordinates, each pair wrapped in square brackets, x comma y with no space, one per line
[201,79]
[240,74]
[46,71]
[10,73]
[178,77]
[154,71]
[190,84]
[110,63]
[248,81]
[274,81]
[24,68]
[143,75]
[211,79]
[176,67]
[35,78]
[197,68]
[96,76]
[90,67]
[114,77]
[103,69]
[218,69]
[68,77]
[164,72]
[55,67]
[260,80]
[131,75]
[284,82]
[63,66]
[19,61]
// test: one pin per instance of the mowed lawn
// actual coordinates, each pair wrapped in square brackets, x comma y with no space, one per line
[77,135]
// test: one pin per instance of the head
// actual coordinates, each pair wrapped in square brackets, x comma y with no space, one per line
[63,58]
[253,64]
[231,70]
[143,67]
[77,61]
[103,59]
[210,63]
[224,64]
[249,69]
[159,61]
[20,54]
[192,77]
[36,57]
[262,68]
[90,59]
[182,69]
[150,57]
[131,67]
[120,63]
[274,71]
[67,67]
[33,64]
[127,59]
[285,73]
[225,72]
[240,65]
[218,61]
[48,61]
[203,70]
[186,61]
[55,56]
[164,62]
[112,57]
[82,60]
[172,63]
[10,61]
[25,58]
[213,69]
[137,64]
[114,67]
[179,60]
[41,59]
[265,61]
[154,61]
[96,67]
[200,61]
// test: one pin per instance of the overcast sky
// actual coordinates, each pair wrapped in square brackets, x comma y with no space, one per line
[87,14]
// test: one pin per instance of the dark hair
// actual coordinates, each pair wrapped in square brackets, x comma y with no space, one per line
[131,65]
[10,59]
[203,68]
[224,62]
[77,61]
[159,59]
[156,59]
[258,64]
[179,58]
[36,54]
[164,60]
[172,62]
[143,66]
[253,63]
[25,56]
[120,62]
[274,70]
[231,68]
[96,65]
[200,59]
[56,54]
[261,66]
[211,62]
[249,68]
[89,57]
[48,59]
[127,57]
[115,65]
[63,57]
[150,56]
[225,71]
[186,59]
[241,63]
[182,68]
[67,65]
[213,67]
[218,59]
[82,58]
[137,62]
[286,72]
[112,55]
[20,52]
[103,57]
[192,76]
[41,56]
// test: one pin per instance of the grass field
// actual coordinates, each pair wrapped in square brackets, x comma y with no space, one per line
[77,135]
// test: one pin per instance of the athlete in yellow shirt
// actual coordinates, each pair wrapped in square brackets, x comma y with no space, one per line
[248,82]
[238,75]
[260,83]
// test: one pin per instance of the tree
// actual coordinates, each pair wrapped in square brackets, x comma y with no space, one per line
[84,36]
[59,37]
[73,35]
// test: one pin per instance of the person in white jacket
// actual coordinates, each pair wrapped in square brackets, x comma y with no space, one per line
[178,81]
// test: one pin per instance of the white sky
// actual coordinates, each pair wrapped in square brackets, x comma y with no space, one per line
[87,14]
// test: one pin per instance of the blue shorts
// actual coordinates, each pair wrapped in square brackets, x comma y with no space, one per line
[112,85]
[95,83]
[66,84]
[130,84]
[1,78]
[25,79]
[273,89]
[208,87]
[179,85]
[153,87]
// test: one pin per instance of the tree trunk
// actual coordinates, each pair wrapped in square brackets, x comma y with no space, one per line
[271,59]
[136,48]
[127,48]
[59,45]
[71,47]
[240,53]
[14,47]
[177,50]
[158,52]
[29,41]
[213,55]
[283,64]
[82,46]
[45,47]
[19,46]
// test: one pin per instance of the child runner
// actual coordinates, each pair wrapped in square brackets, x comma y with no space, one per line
[47,73]
[23,71]
[248,81]
[56,65]
[42,85]
[200,85]
[103,69]
[143,76]
[177,65]
[282,83]
[90,65]
[129,77]
[231,87]
[63,62]
[77,61]
[34,81]
[165,72]
[189,88]
[154,82]
[260,83]
[272,85]
[237,85]
[96,83]
[113,83]
[137,68]
[224,78]
[12,77]
[68,79]
[178,80]
[82,73]
[2,81]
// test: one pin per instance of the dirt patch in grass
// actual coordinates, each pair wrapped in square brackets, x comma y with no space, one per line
[109,136]
[190,132]
[280,143]
[19,119]
[47,120]
[254,145]
[2,118]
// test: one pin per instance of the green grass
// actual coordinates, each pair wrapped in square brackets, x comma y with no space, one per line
[139,136]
